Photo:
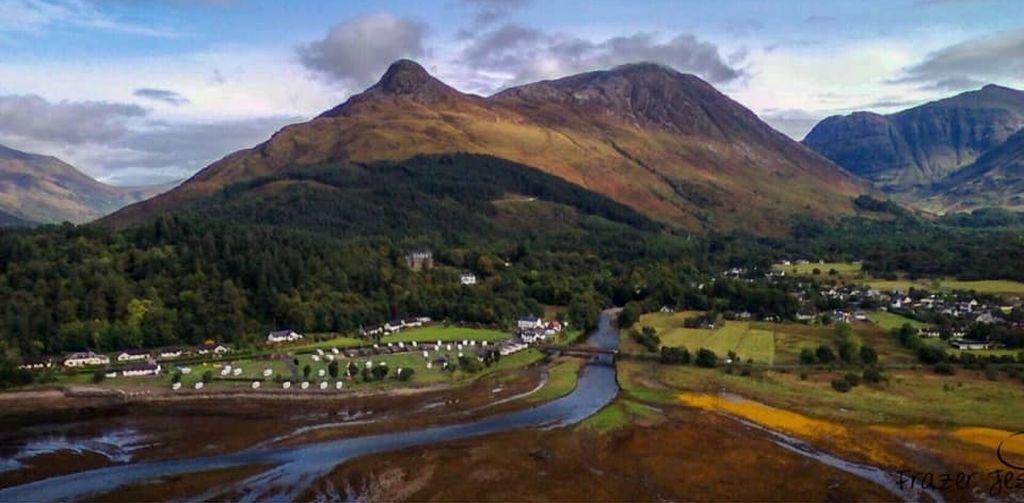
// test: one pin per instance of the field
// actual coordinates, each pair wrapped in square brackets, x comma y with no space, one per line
[738,336]
[766,342]
[889,321]
[562,379]
[843,268]
[852,272]
[910,397]
[429,333]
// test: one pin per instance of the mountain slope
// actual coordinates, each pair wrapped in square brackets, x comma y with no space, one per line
[995,179]
[43,189]
[664,143]
[916,147]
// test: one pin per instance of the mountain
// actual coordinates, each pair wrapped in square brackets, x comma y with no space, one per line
[996,179]
[666,144]
[43,189]
[919,146]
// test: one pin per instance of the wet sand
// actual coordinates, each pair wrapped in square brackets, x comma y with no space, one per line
[690,456]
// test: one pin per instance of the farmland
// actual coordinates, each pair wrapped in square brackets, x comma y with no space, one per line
[765,342]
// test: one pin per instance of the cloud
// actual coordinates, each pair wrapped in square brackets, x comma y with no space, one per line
[794,123]
[529,54]
[357,51]
[71,122]
[486,12]
[26,16]
[162,95]
[988,58]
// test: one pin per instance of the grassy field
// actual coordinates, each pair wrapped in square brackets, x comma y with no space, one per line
[790,338]
[889,321]
[910,397]
[738,336]
[765,342]
[562,379]
[619,413]
[843,268]
[447,334]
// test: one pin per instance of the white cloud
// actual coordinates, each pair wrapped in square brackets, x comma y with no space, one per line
[22,16]
[358,50]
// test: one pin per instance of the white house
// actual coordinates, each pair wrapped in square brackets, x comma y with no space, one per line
[283,336]
[212,347]
[530,323]
[85,359]
[133,355]
[170,353]
[969,344]
[467,279]
[36,363]
[143,369]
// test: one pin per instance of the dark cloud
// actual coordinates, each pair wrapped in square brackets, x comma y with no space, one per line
[358,50]
[486,12]
[72,122]
[985,59]
[171,150]
[162,95]
[530,54]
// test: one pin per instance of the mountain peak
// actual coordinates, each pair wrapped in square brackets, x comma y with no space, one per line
[405,76]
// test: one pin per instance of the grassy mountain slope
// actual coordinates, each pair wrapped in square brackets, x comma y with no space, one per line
[43,189]
[663,143]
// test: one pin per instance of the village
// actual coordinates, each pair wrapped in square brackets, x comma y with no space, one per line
[952,312]
[290,360]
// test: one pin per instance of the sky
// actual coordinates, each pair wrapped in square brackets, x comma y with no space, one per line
[138,92]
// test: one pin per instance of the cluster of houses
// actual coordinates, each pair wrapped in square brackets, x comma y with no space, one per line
[533,329]
[394,326]
[139,362]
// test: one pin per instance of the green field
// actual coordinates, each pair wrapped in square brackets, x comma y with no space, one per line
[436,333]
[843,268]
[890,321]
[621,412]
[738,336]
[561,380]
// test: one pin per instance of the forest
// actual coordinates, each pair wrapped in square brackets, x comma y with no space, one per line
[322,250]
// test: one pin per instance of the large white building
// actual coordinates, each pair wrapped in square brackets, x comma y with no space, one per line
[283,336]
[86,359]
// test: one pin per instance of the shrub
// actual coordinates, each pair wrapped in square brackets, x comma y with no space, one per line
[803,376]
[404,374]
[872,375]
[675,355]
[470,364]
[99,375]
[825,354]
[706,358]
[944,368]
[852,378]
[868,355]
[841,385]
[207,377]
[648,338]
[931,355]
[807,356]
[991,374]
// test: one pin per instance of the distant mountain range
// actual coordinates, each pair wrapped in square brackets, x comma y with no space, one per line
[663,143]
[37,189]
[958,153]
